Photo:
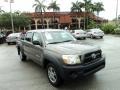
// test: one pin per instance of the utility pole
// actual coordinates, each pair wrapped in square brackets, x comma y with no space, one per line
[11,15]
[117,13]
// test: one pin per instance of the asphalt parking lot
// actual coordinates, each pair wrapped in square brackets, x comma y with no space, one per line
[17,75]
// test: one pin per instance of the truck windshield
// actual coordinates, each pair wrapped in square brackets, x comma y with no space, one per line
[53,37]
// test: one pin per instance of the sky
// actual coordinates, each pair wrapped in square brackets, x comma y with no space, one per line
[26,6]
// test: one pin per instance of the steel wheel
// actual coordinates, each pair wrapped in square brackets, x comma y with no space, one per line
[52,74]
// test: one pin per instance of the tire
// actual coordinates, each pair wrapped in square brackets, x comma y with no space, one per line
[53,75]
[8,43]
[0,41]
[84,38]
[91,36]
[101,37]
[22,56]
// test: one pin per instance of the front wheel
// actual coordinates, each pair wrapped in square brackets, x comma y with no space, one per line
[22,56]
[91,36]
[53,76]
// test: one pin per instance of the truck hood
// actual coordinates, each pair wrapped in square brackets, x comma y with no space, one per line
[71,48]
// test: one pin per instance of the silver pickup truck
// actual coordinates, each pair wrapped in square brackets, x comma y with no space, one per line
[60,54]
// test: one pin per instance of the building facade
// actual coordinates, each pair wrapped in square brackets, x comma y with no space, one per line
[71,20]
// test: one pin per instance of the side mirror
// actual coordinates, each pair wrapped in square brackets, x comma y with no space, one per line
[37,43]
[28,39]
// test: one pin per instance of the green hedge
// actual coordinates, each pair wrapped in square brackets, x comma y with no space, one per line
[117,30]
[108,28]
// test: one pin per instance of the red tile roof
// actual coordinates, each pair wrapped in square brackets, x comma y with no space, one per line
[64,16]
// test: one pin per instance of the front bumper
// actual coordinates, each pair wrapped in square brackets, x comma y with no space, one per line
[82,70]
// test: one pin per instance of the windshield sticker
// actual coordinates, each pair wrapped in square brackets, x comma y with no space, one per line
[48,36]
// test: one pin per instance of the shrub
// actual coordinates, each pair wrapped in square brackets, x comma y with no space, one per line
[108,28]
[117,30]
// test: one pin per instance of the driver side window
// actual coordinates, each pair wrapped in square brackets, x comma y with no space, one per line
[37,37]
[29,36]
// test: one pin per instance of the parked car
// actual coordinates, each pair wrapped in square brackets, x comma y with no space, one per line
[1,38]
[60,54]
[12,38]
[79,34]
[94,33]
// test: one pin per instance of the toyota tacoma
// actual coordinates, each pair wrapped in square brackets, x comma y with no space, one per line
[60,54]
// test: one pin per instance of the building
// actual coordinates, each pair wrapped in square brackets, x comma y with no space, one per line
[72,20]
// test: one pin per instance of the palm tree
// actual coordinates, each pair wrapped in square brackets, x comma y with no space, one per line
[40,7]
[77,6]
[88,5]
[98,7]
[54,6]
[17,12]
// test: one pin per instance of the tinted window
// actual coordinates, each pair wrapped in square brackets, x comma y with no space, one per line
[22,36]
[29,36]
[37,37]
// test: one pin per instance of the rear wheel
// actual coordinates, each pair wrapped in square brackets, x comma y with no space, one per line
[101,37]
[53,76]
[8,43]
[22,56]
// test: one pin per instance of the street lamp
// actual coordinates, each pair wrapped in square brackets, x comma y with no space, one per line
[12,24]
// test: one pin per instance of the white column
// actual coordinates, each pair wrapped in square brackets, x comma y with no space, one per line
[58,26]
[47,20]
[79,20]
[29,27]
[36,24]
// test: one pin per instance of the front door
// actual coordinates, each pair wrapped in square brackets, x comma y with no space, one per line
[37,50]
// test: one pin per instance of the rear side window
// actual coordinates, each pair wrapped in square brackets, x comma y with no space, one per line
[29,36]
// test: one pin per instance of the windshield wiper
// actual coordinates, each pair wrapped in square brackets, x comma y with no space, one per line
[54,42]
[60,42]
[67,40]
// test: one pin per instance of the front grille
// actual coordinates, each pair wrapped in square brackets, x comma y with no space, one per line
[89,57]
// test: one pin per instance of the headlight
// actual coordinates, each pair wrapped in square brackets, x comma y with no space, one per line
[71,59]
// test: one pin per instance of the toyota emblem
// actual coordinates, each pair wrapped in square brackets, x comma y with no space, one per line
[93,56]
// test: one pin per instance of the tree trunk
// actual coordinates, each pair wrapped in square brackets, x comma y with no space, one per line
[42,19]
[19,29]
[54,19]
[97,18]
